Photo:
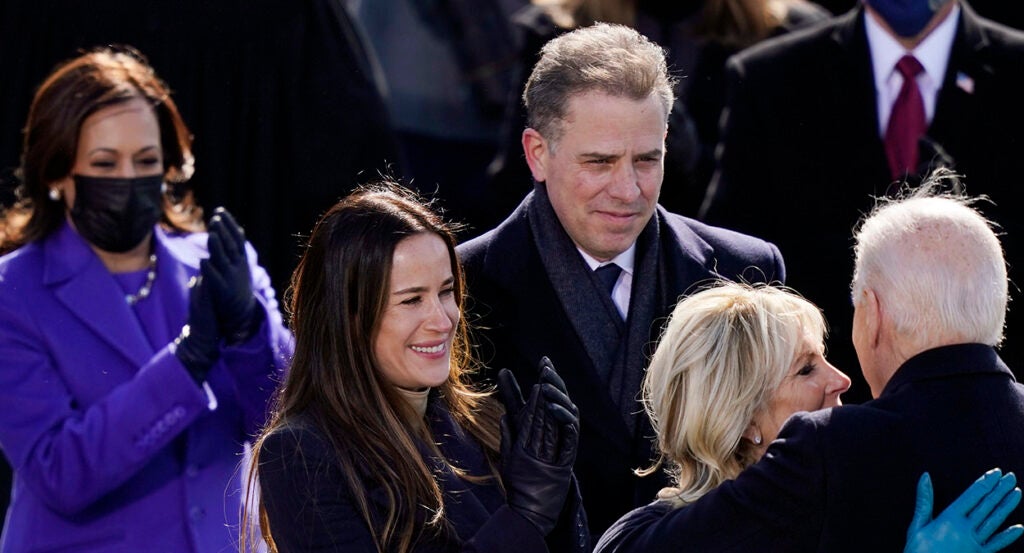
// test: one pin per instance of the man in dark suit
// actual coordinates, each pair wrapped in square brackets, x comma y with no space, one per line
[805,136]
[930,296]
[588,264]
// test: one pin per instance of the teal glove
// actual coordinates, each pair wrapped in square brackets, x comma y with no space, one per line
[967,525]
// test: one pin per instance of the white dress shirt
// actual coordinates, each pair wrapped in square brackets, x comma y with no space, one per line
[932,53]
[624,285]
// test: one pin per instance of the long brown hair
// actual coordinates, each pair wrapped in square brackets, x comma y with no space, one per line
[71,93]
[337,296]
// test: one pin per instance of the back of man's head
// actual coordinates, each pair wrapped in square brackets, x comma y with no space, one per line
[612,59]
[936,266]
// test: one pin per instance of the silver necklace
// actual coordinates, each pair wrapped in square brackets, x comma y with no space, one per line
[147,286]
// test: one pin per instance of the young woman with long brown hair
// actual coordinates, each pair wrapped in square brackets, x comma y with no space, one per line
[377,442]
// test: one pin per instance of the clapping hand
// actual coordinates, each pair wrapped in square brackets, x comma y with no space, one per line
[539,440]
[968,524]
[230,282]
[198,346]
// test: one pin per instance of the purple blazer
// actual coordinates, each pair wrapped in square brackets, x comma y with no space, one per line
[114,447]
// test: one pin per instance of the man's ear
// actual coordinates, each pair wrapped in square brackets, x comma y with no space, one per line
[872,317]
[537,152]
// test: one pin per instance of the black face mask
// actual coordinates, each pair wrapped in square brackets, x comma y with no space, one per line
[116,214]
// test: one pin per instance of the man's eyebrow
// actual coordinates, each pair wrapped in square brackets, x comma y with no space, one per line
[596,155]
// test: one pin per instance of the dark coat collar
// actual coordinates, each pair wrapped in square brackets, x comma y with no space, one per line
[947,361]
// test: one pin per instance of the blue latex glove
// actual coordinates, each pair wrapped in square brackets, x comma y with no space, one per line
[198,346]
[967,525]
[227,274]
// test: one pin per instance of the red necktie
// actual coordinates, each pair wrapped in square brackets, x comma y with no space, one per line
[906,122]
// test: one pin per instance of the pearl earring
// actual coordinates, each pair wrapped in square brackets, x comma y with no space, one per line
[757,440]
[54,194]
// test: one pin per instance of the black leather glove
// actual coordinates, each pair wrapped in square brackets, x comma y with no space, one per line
[229,279]
[539,439]
[198,346]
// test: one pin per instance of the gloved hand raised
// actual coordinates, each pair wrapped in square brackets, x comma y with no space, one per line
[198,346]
[967,525]
[539,440]
[227,274]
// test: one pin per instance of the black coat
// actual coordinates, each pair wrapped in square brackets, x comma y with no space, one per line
[802,156]
[518,319]
[310,507]
[844,479]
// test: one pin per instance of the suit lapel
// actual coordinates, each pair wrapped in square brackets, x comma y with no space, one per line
[967,79]
[852,82]
[81,282]
[527,292]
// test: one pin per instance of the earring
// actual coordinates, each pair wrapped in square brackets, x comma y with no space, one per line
[757,439]
[54,194]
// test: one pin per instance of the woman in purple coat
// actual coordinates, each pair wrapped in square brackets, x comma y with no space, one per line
[136,357]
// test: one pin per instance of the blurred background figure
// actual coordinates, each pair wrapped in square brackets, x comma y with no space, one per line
[448,67]
[902,87]
[138,355]
[722,28]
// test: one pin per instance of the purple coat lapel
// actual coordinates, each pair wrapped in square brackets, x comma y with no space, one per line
[81,282]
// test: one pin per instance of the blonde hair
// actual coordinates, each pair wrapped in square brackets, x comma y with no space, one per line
[722,355]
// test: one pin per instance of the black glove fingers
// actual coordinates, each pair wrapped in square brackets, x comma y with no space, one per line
[213,276]
[232,231]
[570,443]
[544,441]
[228,243]
[196,287]
[548,374]
[559,397]
[531,422]
[509,393]
[507,437]
[552,442]
[561,415]
[215,244]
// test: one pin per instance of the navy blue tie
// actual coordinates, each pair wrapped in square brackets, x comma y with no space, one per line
[608,275]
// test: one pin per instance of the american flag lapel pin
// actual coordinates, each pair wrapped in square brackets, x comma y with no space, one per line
[964,82]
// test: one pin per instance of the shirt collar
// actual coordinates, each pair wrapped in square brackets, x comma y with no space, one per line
[933,52]
[624,260]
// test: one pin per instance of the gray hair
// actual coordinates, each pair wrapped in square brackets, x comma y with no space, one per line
[722,356]
[613,59]
[937,265]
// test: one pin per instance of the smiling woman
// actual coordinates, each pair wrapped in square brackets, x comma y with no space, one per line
[417,328]
[377,443]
